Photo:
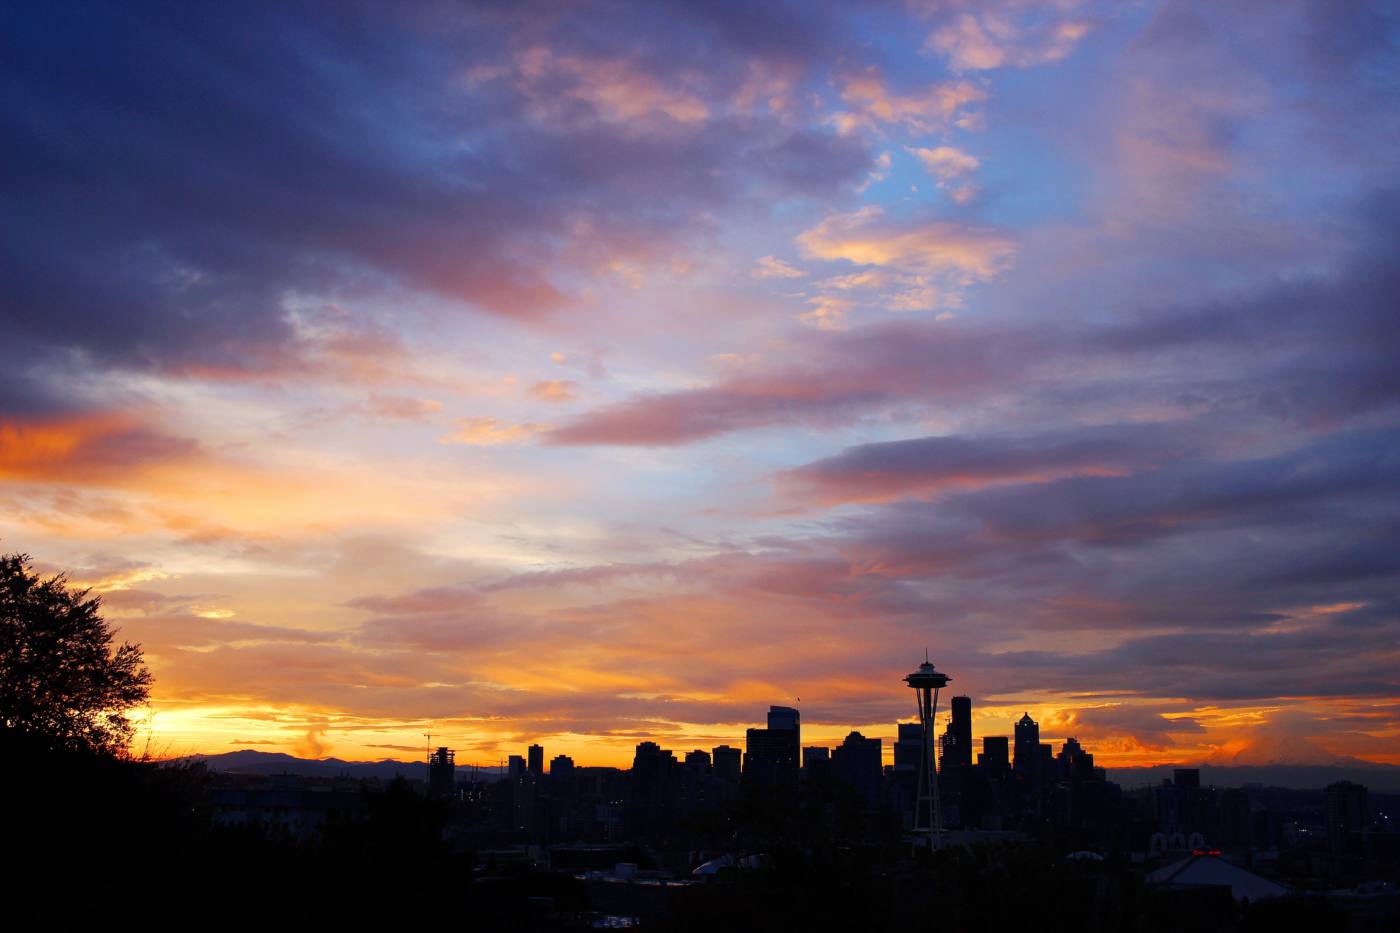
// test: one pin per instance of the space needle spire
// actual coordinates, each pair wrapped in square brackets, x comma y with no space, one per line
[928,810]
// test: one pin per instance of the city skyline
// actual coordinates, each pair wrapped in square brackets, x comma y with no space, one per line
[584,375]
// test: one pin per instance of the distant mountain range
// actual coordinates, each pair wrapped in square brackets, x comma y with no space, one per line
[251,761]
[1381,778]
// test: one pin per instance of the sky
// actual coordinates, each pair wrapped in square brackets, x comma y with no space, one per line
[593,373]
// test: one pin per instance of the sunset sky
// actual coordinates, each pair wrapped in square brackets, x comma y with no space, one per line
[597,372]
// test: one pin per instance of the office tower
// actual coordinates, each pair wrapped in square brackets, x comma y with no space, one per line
[561,780]
[928,809]
[908,746]
[784,717]
[728,770]
[696,781]
[1027,747]
[816,763]
[651,766]
[442,774]
[995,759]
[857,762]
[727,763]
[516,767]
[960,725]
[772,756]
[1075,763]
[1348,812]
[536,759]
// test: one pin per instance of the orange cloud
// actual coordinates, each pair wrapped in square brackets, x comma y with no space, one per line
[862,237]
[488,432]
[873,103]
[102,447]
[554,390]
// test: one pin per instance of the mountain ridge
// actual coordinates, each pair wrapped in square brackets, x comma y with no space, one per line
[1379,777]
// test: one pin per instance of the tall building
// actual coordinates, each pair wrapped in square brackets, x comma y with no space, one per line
[908,746]
[787,719]
[996,754]
[960,725]
[726,763]
[1027,746]
[1348,812]
[816,762]
[442,773]
[857,762]
[653,788]
[651,769]
[536,759]
[696,780]
[772,756]
[516,767]
[561,780]
[1075,763]
[561,770]
[698,760]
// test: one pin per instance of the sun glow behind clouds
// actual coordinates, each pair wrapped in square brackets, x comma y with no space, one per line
[525,378]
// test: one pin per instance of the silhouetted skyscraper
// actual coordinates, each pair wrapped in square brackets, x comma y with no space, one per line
[960,724]
[856,762]
[785,718]
[1348,811]
[536,753]
[908,746]
[1027,746]
[816,762]
[696,780]
[772,755]
[995,757]
[561,779]
[1075,763]
[727,763]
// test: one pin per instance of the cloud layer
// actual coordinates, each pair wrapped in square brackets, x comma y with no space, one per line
[428,365]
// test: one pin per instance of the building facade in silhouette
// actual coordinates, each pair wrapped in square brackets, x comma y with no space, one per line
[816,763]
[995,757]
[1348,812]
[960,727]
[442,773]
[857,762]
[727,762]
[772,756]
[1027,749]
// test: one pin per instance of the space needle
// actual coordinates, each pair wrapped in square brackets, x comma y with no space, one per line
[928,811]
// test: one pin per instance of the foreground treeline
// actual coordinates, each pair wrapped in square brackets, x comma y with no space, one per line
[98,833]
[100,836]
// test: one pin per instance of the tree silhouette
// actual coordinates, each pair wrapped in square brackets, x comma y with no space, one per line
[60,680]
